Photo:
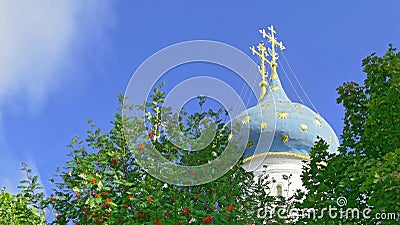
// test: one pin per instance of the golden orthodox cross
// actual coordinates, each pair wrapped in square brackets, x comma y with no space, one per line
[262,52]
[274,42]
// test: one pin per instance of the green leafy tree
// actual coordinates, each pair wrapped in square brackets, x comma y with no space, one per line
[321,177]
[103,183]
[366,169]
[264,207]
[27,207]
[372,134]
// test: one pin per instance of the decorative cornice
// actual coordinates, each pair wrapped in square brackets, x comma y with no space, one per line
[293,154]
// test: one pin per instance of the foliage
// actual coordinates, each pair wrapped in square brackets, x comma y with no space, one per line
[366,169]
[103,183]
[374,142]
[265,207]
[27,207]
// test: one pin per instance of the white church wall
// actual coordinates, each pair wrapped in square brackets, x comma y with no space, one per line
[279,165]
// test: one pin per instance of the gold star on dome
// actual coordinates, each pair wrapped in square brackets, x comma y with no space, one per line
[285,138]
[297,105]
[318,122]
[250,143]
[246,120]
[263,126]
[283,115]
[303,127]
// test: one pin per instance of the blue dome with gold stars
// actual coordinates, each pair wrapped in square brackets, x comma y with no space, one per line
[278,125]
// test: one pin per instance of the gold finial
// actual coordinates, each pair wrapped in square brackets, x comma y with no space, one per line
[263,53]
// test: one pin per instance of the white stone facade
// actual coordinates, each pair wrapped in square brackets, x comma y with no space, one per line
[279,164]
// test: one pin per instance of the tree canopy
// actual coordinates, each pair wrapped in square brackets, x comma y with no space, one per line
[103,182]
[366,171]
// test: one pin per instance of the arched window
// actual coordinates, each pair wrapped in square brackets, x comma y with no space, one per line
[278,190]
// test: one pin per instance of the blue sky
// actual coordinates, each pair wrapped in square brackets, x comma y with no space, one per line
[64,63]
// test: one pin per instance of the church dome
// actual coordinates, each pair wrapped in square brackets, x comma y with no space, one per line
[278,125]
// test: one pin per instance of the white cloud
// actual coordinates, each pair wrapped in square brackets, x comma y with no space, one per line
[36,39]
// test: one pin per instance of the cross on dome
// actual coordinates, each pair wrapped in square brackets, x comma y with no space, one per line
[274,42]
[263,54]
[281,132]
